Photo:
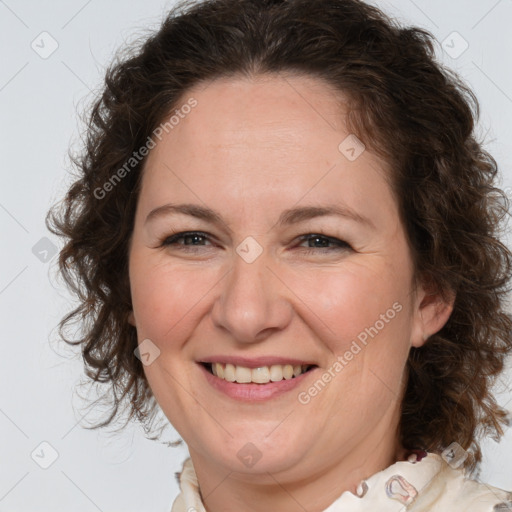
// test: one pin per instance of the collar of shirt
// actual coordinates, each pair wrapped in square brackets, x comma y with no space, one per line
[429,484]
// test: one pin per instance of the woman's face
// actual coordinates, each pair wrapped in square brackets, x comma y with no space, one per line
[273,280]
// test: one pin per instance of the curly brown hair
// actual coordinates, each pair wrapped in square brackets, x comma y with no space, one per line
[403,104]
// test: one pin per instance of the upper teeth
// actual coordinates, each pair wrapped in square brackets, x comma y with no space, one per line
[261,375]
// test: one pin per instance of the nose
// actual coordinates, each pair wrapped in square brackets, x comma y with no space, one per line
[253,302]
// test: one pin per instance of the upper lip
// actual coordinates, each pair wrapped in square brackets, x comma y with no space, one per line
[255,362]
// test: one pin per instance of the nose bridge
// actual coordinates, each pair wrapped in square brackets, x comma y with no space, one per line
[251,303]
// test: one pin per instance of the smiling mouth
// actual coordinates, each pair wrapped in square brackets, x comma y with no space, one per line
[260,375]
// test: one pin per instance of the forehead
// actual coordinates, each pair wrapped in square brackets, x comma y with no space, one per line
[268,110]
[271,137]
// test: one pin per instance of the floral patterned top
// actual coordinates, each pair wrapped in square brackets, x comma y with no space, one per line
[425,482]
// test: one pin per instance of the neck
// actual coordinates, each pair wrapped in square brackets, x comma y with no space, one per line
[226,491]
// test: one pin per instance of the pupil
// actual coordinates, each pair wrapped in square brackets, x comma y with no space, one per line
[193,237]
[323,241]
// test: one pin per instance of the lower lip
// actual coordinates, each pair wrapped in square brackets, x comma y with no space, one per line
[252,392]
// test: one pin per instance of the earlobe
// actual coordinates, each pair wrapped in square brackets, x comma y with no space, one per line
[131,318]
[432,313]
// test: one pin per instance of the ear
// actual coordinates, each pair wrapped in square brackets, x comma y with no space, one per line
[431,312]
[131,318]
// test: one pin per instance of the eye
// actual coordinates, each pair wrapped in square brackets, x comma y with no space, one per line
[190,239]
[323,240]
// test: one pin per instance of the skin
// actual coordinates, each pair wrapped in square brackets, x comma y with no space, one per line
[250,149]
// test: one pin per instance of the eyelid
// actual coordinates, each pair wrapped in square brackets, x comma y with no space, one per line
[339,244]
[183,234]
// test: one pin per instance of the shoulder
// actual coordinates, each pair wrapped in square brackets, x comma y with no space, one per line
[179,505]
[451,489]
[189,498]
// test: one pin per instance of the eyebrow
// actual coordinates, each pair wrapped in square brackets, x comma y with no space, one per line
[287,217]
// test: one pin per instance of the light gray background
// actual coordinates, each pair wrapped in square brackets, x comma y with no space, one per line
[39,98]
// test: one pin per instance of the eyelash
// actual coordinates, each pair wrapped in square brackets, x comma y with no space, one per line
[341,244]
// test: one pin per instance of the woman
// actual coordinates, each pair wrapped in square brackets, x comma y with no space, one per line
[284,235]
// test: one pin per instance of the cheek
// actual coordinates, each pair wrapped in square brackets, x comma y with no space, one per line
[350,302]
[165,300]
[362,316]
